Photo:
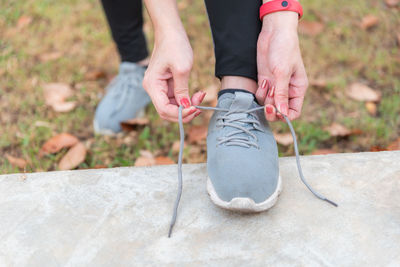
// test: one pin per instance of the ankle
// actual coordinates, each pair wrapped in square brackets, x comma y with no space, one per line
[239,82]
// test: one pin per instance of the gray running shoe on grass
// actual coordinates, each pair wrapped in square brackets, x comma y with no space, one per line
[125,99]
[242,155]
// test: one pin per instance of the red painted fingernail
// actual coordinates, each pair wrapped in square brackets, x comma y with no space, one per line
[264,84]
[185,102]
[269,110]
[271,92]
[197,114]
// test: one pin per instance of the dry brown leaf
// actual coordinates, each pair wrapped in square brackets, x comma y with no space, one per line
[55,95]
[377,149]
[132,124]
[95,75]
[371,108]
[310,28]
[284,139]
[369,21]
[49,56]
[394,145]
[398,38]
[164,161]
[176,145]
[146,159]
[99,166]
[361,92]
[197,133]
[17,162]
[324,151]
[23,21]
[336,129]
[319,83]
[75,156]
[58,142]
[392,3]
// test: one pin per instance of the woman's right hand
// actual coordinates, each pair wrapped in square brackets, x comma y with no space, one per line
[167,77]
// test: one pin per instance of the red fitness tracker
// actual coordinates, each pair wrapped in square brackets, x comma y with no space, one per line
[281,5]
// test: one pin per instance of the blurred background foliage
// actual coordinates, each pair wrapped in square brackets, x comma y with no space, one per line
[351,50]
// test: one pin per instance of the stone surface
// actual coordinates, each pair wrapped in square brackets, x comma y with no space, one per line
[120,217]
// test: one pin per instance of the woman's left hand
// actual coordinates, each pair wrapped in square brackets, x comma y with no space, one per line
[281,71]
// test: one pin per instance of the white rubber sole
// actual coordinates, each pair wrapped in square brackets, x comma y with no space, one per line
[246,205]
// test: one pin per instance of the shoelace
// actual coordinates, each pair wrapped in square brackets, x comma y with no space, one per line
[237,141]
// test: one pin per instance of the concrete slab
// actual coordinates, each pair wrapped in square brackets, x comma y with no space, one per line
[120,217]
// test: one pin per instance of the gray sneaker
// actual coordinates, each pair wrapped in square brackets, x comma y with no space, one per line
[242,155]
[125,99]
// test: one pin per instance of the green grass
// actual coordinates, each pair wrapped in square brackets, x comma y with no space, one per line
[341,54]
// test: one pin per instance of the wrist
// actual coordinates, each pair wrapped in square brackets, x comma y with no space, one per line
[170,32]
[282,20]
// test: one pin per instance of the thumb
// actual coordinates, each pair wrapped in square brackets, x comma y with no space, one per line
[282,92]
[181,86]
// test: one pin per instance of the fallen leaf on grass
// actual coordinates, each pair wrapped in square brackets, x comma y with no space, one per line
[368,22]
[132,124]
[176,146]
[361,92]
[58,142]
[394,145]
[284,139]
[49,56]
[95,75]
[146,159]
[319,83]
[99,166]
[197,133]
[55,95]
[17,162]
[75,156]
[398,39]
[23,21]
[324,151]
[371,108]
[310,28]
[164,161]
[336,129]
[392,3]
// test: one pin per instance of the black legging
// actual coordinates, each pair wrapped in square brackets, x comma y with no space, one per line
[234,24]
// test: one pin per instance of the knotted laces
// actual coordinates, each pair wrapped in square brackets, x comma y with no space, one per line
[233,139]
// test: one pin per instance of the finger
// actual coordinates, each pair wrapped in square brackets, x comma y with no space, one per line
[198,97]
[282,79]
[269,99]
[189,118]
[181,85]
[297,90]
[168,110]
[270,113]
[295,106]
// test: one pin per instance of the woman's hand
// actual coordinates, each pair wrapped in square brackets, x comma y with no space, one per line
[167,77]
[281,71]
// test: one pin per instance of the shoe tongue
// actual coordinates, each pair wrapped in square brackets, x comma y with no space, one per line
[242,101]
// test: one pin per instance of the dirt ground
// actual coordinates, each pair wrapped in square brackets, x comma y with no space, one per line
[351,50]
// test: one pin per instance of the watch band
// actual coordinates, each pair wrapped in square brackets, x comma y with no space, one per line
[281,5]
